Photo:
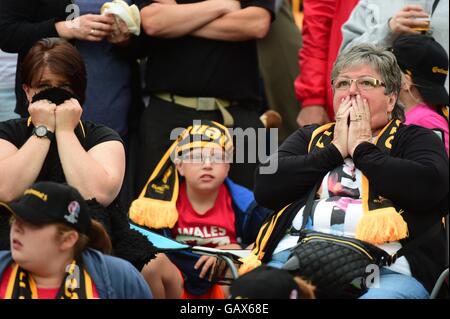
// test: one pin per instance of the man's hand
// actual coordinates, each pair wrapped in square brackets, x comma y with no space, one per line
[314,114]
[120,34]
[404,21]
[89,27]
[166,1]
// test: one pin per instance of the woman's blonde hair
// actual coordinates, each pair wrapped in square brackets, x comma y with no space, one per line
[380,59]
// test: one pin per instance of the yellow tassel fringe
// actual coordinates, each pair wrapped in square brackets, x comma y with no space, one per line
[153,213]
[382,225]
[249,263]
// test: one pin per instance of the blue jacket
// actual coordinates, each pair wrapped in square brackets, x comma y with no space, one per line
[249,214]
[113,277]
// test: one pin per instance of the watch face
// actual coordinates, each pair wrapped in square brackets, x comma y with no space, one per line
[41,131]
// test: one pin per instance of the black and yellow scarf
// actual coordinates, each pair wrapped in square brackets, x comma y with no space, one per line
[76,285]
[443,111]
[156,205]
[380,223]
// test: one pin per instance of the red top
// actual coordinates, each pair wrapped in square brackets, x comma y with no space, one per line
[214,228]
[43,293]
[322,38]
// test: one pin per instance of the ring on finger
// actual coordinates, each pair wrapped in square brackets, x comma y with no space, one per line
[93,31]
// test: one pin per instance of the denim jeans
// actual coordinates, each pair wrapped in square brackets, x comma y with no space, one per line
[392,285]
[279,259]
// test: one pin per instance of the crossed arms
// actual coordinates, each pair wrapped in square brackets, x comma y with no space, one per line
[211,19]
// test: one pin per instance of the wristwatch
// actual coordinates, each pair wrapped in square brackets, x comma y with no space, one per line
[42,131]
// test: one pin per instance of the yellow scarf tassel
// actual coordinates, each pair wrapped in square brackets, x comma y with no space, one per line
[249,263]
[153,213]
[381,225]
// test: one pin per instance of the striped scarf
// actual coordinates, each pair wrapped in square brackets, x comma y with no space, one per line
[380,223]
[77,284]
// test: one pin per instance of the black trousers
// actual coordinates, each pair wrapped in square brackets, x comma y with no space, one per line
[161,117]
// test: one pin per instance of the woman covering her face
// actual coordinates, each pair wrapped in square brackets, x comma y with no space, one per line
[378,181]
[53,144]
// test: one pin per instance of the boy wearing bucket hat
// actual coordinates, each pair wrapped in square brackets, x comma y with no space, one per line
[203,208]
[53,256]
[424,63]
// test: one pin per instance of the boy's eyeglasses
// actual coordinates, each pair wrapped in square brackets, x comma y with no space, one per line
[199,158]
[365,83]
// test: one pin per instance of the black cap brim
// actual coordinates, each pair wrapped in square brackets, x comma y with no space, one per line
[432,93]
[25,213]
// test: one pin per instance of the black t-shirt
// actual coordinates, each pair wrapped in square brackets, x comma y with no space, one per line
[193,66]
[17,132]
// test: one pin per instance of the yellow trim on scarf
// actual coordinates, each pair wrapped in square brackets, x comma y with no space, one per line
[33,288]
[385,224]
[253,260]
[11,281]
[88,284]
[318,131]
[445,112]
[154,213]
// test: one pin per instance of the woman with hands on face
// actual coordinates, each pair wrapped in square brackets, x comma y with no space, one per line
[111,68]
[54,144]
[376,160]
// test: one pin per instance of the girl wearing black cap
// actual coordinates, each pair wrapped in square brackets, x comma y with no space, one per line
[52,251]
[424,63]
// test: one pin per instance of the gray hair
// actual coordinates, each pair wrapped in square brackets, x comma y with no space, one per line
[380,59]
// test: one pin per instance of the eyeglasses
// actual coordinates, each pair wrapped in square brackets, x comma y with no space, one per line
[365,83]
[200,158]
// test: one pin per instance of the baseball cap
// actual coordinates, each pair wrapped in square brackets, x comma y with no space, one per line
[265,282]
[426,61]
[47,203]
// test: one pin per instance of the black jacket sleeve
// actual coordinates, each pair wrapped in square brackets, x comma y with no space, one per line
[19,26]
[297,171]
[414,176]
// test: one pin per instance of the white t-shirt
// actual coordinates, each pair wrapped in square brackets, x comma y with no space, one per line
[338,211]
[8,63]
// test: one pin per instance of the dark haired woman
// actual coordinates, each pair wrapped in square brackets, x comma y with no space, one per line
[111,72]
[54,145]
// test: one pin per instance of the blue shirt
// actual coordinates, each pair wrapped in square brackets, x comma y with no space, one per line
[109,92]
